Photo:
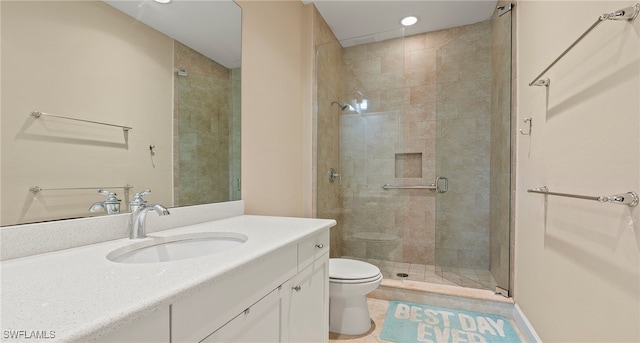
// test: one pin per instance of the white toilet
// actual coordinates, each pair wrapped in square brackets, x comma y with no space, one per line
[349,283]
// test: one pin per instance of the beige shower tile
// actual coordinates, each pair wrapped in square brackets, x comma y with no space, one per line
[418,77]
[419,112]
[422,94]
[416,277]
[415,268]
[415,42]
[438,39]
[433,278]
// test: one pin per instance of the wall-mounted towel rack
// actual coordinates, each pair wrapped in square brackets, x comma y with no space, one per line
[431,187]
[38,114]
[38,189]
[628,14]
[630,198]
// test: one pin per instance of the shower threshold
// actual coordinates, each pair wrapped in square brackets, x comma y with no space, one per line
[424,273]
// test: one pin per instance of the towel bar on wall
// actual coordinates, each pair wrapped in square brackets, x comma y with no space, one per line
[37,114]
[38,189]
[629,14]
[630,198]
[431,187]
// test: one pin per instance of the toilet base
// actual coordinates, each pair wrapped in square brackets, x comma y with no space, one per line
[349,316]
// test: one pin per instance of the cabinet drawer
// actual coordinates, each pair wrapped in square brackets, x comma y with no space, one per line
[312,248]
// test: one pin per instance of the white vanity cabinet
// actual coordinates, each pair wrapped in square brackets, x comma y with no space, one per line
[309,300]
[309,303]
[283,297]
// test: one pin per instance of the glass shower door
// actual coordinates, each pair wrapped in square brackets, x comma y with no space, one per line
[473,152]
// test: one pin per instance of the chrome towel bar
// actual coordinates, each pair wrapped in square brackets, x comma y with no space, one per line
[432,187]
[37,114]
[429,187]
[38,189]
[629,14]
[630,198]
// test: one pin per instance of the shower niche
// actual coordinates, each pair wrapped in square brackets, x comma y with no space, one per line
[408,165]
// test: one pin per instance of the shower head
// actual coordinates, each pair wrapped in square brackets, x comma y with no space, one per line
[342,106]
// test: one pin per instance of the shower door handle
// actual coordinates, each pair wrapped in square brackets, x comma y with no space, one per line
[446,184]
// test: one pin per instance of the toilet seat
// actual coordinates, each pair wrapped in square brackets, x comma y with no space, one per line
[342,270]
[348,281]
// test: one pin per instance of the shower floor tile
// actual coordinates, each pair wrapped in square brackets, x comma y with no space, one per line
[473,278]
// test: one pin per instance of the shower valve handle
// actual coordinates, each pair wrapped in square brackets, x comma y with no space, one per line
[333,175]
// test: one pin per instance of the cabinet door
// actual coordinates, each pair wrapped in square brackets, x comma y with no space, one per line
[309,303]
[259,323]
[153,328]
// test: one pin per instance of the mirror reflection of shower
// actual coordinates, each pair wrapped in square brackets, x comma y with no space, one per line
[342,106]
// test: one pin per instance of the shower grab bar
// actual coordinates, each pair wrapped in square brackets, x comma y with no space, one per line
[38,189]
[630,198]
[429,187]
[629,14]
[38,114]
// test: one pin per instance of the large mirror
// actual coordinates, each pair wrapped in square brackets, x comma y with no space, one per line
[117,95]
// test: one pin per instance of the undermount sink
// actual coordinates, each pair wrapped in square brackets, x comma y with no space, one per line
[179,247]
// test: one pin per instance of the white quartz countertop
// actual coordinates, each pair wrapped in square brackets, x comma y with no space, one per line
[79,295]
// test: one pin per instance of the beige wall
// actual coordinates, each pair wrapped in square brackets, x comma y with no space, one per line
[84,60]
[277,50]
[577,262]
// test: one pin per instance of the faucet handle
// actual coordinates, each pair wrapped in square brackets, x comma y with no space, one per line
[137,200]
[139,195]
[111,205]
[111,196]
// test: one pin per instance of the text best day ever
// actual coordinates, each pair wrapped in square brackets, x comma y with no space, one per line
[440,326]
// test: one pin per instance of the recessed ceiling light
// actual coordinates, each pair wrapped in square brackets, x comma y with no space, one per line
[409,20]
[162,1]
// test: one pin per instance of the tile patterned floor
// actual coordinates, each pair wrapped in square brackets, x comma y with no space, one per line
[471,278]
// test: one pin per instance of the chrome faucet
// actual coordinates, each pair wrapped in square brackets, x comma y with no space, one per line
[139,209]
[109,206]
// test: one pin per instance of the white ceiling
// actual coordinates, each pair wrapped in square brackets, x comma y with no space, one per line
[211,27]
[356,22]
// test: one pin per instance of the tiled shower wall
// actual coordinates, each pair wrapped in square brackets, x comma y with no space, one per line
[407,82]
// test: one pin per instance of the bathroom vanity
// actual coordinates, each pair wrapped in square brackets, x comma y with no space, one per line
[272,287]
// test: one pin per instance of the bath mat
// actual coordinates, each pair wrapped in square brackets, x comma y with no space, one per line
[408,323]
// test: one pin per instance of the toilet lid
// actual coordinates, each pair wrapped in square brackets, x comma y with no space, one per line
[347,269]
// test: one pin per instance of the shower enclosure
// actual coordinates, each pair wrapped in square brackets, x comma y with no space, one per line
[413,152]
